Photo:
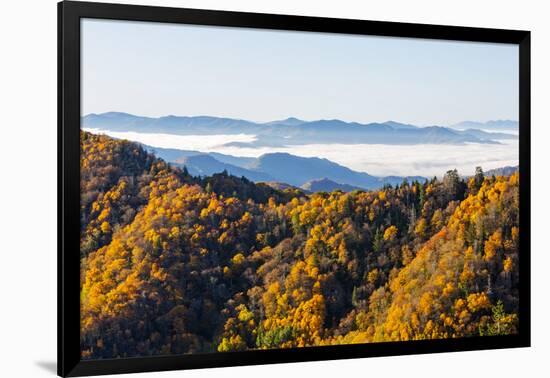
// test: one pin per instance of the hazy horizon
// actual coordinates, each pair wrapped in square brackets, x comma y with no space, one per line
[173,114]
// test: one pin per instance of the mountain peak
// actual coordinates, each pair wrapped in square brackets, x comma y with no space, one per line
[399,125]
[290,121]
[114,114]
[327,185]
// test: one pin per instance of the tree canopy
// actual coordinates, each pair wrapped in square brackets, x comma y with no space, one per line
[174,264]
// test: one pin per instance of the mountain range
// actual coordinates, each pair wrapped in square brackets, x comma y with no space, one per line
[293,131]
[311,174]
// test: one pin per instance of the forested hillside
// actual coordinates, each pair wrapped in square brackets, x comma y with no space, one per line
[176,264]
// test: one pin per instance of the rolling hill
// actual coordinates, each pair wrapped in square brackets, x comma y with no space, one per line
[207,165]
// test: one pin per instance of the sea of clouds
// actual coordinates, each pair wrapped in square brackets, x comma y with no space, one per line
[426,160]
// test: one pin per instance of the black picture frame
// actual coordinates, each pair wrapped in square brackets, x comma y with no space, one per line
[69,15]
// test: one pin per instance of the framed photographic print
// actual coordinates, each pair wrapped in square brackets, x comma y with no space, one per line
[239,188]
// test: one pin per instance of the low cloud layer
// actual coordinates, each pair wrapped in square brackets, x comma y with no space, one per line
[382,160]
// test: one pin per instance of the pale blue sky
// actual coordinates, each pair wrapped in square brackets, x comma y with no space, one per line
[156,69]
